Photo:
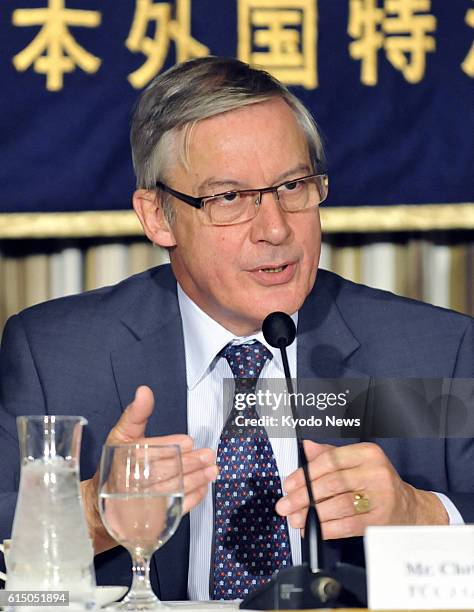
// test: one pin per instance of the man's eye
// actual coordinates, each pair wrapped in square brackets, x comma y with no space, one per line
[292,186]
[230,197]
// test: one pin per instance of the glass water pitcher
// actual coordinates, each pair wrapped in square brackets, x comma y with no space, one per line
[51,549]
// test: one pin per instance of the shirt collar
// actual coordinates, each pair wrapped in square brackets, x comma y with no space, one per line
[204,338]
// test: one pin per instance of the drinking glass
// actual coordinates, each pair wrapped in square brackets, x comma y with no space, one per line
[141,503]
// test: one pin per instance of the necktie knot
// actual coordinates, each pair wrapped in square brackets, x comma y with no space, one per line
[246,360]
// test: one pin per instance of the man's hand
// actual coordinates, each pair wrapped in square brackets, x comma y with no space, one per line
[337,473]
[199,466]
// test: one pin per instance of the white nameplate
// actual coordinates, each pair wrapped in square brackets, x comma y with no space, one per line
[420,568]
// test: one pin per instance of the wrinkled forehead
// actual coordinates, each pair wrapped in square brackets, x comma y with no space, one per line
[180,141]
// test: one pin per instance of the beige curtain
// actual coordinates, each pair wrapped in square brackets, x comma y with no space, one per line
[434,267]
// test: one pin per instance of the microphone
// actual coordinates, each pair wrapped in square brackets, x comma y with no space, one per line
[302,587]
[279,331]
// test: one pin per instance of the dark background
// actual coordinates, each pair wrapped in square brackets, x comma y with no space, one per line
[394,143]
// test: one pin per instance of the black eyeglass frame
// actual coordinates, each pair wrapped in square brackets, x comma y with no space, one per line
[199,202]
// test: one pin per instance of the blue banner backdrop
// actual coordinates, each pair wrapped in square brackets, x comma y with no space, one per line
[390,83]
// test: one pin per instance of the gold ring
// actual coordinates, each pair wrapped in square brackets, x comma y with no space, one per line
[361,503]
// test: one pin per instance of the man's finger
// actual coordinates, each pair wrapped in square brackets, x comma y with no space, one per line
[198,460]
[199,479]
[312,451]
[184,441]
[347,527]
[330,459]
[193,498]
[131,425]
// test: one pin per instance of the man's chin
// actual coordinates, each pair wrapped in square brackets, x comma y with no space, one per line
[289,306]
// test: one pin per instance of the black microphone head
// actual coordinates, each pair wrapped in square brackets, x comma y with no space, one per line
[278,329]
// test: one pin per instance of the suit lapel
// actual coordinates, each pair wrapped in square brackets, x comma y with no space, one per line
[325,342]
[327,347]
[155,357]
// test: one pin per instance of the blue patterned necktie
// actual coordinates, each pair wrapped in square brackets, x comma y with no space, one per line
[251,540]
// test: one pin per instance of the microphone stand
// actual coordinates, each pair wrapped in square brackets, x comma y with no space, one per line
[313,533]
[305,586]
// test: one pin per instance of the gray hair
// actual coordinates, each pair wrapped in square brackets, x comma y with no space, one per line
[195,90]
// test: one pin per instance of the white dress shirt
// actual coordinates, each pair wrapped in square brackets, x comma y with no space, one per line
[204,338]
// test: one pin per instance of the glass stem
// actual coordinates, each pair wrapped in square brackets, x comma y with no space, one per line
[141,587]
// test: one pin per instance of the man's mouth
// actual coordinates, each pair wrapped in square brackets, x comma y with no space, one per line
[273,270]
[271,276]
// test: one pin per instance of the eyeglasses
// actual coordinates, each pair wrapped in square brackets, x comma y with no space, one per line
[233,207]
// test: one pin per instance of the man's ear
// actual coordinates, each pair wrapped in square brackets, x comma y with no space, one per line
[149,209]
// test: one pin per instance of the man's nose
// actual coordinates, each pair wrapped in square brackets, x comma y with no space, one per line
[271,223]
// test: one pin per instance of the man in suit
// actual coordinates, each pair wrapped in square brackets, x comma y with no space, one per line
[230,173]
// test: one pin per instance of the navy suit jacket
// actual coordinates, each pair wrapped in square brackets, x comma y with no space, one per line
[86,355]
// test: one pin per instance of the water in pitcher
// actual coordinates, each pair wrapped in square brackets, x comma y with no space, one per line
[51,549]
